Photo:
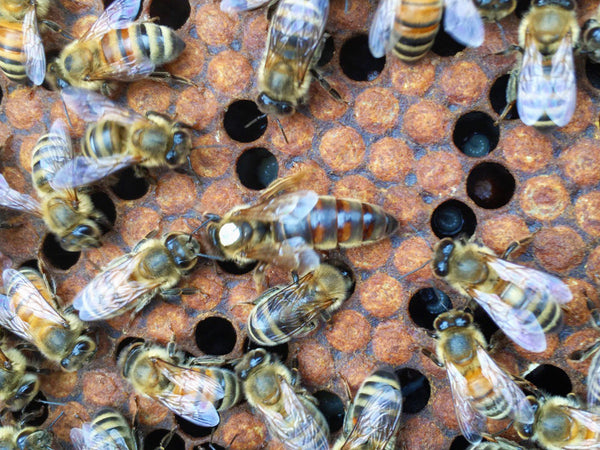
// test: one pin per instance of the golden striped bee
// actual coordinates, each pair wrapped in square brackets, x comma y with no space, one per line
[495,10]
[523,302]
[68,213]
[30,310]
[543,84]
[289,412]
[153,267]
[287,228]
[373,419]
[409,27]
[119,138]
[116,48]
[561,423]
[192,388]
[25,438]
[19,382]
[294,310]
[480,389]
[109,430]
[590,37]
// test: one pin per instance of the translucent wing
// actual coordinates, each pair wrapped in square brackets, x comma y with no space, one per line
[57,148]
[520,325]
[35,58]
[92,107]
[128,68]
[119,14]
[194,396]
[113,290]
[589,420]
[380,32]
[291,207]
[293,254]
[82,170]
[295,32]
[12,322]
[561,104]
[503,385]
[9,198]
[533,91]
[470,421]
[463,22]
[593,383]
[89,437]
[235,6]
[78,439]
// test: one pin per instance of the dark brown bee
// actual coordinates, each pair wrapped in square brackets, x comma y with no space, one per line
[590,37]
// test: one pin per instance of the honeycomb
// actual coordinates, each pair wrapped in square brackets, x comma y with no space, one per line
[395,141]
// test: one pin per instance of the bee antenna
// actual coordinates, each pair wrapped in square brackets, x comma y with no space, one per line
[189,160]
[46,402]
[256,119]
[282,130]
[62,413]
[415,270]
[209,218]
[66,112]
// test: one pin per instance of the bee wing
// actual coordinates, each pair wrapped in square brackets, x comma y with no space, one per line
[113,289]
[234,6]
[533,90]
[79,438]
[380,32]
[471,422]
[12,322]
[119,14]
[521,409]
[128,68]
[9,198]
[35,58]
[194,399]
[530,279]
[291,207]
[589,420]
[89,437]
[92,107]
[561,104]
[82,170]
[520,325]
[293,253]
[593,383]
[463,22]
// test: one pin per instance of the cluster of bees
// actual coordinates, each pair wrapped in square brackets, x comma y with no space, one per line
[287,227]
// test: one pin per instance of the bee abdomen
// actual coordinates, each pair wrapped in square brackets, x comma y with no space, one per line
[485,399]
[113,423]
[44,162]
[231,385]
[104,138]
[12,56]
[372,387]
[546,311]
[312,17]
[415,26]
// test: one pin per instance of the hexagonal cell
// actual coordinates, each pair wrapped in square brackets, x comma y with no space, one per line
[426,304]
[55,256]
[356,60]
[171,13]
[244,122]
[550,379]
[215,336]
[453,218]
[332,408]
[497,98]
[490,185]
[257,168]
[129,186]
[475,134]
[164,439]
[415,390]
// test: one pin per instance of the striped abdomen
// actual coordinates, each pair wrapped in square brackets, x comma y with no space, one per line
[12,56]
[315,433]
[484,399]
[103,138]
[111,423]
[230,384]
[140,43]
[415,26]
[49,154]
[339,223]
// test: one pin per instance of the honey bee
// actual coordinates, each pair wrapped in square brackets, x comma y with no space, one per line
[153,267]
[593,377]
[409,28]
[31,311]
[294,310]
[560,423]
[523,302]
[119,138]
[480,389]
[22,54]
[19,382]
[109,430]
[68,213]
[590,38]
[495,10]
[289,412]
[25,438]
[286,228]
[189,387]
[497,444]
[116,48]
[543,84]
[373,419]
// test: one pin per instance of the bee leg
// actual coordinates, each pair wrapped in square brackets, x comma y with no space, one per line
[510,49]
[53,26]
[164,442]
[175,293]
[574,397]
[516,245]
[582,355]
[107,89]
[161,76]
[347,390]
[431,355]
[260,279]
[325,84]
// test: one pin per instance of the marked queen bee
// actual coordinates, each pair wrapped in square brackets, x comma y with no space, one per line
[31,311]
[480,389]
[116,48]
[409,27]
[523,302]
[119,138]
[68,213]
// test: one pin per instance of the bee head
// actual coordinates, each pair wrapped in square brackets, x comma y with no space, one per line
[78,62]
[83,350]
[525,430]
[441,257]
[274,107]
[181,144]
[34,438]
[184,250]
[566,4]
[451,319]
[251,360]
[232,234]
[84,235]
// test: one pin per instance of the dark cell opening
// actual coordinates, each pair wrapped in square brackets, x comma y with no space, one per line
[498,98]
[550,379]
[215,336]
[128,186]
[327,53]
[475,134]
[55,255]
[124,343]
[192,429]
[257,168]
[35,413]
[426,304]
[453,218]
[459,443]
[332,408]
[415,390]
[280,350]
[242,122]
[356,59]
[490,185]
[172,13]
[159,437]
[31,263]
[444,44]
[592,71]
[106,206]
[522,8]
[237,269]
[484,322]
[210,446]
